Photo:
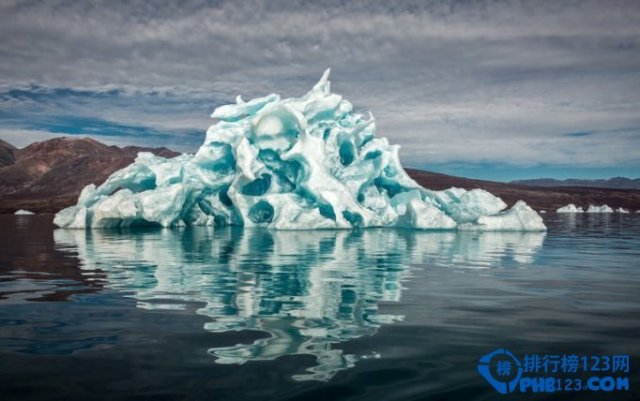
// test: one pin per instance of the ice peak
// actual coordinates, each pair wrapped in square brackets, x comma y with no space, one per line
[324,85]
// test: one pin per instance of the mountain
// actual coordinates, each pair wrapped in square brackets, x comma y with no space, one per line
[613,183]
[7,154]
[47,176]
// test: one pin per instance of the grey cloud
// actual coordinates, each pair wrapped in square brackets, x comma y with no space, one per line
[508,77]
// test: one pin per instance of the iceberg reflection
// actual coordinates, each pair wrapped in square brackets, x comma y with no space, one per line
[308,290]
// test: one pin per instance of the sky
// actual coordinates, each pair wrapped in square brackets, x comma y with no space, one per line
[497,90]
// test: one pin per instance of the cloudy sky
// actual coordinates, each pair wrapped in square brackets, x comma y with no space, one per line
[487,89]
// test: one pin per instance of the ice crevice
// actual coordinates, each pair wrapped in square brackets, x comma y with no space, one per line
[295,163]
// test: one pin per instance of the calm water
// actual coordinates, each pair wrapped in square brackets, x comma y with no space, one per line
[329,315]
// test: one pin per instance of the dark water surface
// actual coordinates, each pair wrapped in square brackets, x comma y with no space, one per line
[232,314]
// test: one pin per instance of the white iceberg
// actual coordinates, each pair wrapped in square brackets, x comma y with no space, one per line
[570,208]
[23,212]
[295,163]
[599,209]
[622,210]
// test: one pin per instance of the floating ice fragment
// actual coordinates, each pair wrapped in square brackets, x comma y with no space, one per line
[296,163]
[622,210]
[23,212]
[599,209]
[570,208]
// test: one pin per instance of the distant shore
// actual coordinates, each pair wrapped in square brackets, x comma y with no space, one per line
[48,176]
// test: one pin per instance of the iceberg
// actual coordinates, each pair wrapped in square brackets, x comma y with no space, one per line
[570,208]
[622,210]
[599,209]
[295,163]
[23,212]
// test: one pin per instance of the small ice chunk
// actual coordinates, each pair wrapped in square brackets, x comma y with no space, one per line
[23,212]
[570,208]
[599,209]
[622,210]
